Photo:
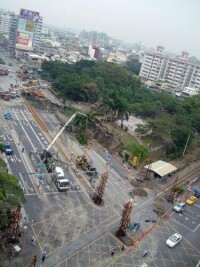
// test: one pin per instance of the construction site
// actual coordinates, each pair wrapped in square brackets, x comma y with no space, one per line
[105,205]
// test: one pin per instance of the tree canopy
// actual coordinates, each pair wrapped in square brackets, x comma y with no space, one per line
[133,65]
[10,191]
[121,93]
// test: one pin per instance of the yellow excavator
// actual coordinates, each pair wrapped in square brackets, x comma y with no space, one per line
[86,166]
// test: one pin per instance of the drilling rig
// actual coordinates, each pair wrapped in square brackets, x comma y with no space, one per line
[125,220]
[173,194]
[98,197]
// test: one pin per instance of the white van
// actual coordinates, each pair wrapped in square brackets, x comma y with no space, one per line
[59,173]
[63,185]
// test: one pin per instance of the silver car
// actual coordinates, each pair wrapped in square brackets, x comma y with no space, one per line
[179,207]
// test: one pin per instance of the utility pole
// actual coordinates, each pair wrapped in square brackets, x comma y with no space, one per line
[186,144]
[98,197]
[125,218]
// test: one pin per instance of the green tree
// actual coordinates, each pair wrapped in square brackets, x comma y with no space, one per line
[83,122]
[133,65]
[10,191]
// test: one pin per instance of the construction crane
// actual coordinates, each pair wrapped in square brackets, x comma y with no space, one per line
[46,156]
[62,129]
[125,220]
[98,196]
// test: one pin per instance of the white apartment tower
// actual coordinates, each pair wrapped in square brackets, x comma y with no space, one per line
[177,72]
[37,33]
[5,21]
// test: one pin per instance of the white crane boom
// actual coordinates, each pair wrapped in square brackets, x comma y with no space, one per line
[59,133]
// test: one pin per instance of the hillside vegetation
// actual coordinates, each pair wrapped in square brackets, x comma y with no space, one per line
[117,92]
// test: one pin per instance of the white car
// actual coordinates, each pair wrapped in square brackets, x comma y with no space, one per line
[179,207]
[173,240]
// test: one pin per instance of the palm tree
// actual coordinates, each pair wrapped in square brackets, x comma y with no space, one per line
[122,110]
[84,122]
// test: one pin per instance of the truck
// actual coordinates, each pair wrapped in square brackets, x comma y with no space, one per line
[7,149]
[60,181]
[8,115]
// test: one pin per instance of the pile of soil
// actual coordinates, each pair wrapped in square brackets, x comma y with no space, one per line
[135,183]
[148,184]
[138,192]
[145,184]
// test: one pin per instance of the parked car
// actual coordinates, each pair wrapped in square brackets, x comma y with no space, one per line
[191,200]
[7,149]
[8,115]
[197,192]
[179,207]
[173,240]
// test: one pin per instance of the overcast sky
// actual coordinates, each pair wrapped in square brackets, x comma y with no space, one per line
[174,24]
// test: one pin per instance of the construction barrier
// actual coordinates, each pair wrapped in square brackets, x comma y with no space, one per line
[37,118]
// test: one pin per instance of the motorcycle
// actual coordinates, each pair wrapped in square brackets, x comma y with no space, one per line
[144,253]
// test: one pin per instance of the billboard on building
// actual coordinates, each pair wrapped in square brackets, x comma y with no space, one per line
[29,15]
[26,26]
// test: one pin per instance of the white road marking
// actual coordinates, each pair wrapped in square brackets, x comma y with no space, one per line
[22,187]
[33,123]
[32,194]
[23,182]
[12,159]
[182,224]
[25,133]
[196,228]
[9,138]
[29,188]
[33,130]
[17,159]
[197,205]
[24,122]
[189,215]
[190,211]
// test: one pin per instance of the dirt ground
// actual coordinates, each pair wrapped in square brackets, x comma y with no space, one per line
[185,165]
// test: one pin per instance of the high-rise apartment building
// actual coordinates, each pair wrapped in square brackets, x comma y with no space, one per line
[28,31]
[37,33]
[177,72]
[12,33]
[5,20]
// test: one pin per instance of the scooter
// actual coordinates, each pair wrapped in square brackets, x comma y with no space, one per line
[144,253]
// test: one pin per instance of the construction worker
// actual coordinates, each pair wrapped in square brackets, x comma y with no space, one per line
[113,252]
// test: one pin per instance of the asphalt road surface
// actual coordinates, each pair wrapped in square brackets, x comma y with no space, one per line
[68,225]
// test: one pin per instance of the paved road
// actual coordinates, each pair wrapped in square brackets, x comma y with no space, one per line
[69,225]
[188,223]
[11,78]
